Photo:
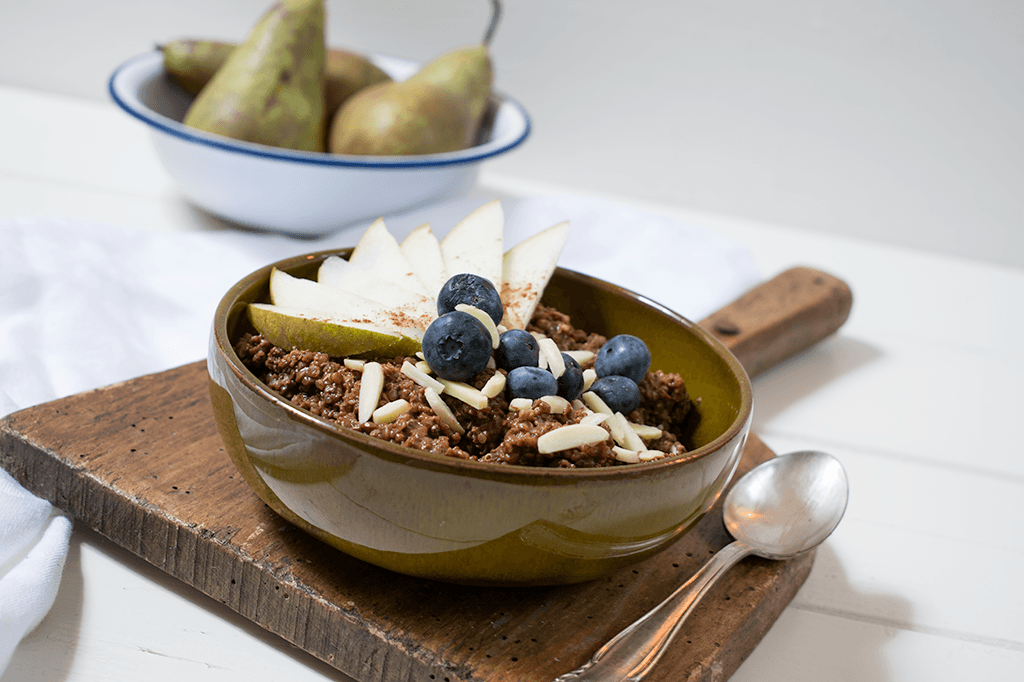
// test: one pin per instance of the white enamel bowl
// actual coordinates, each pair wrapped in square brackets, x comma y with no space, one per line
[293,192]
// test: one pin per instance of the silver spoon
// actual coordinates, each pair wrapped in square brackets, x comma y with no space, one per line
[780,509]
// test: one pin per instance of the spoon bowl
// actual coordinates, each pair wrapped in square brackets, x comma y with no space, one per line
[778,510]
[787,505]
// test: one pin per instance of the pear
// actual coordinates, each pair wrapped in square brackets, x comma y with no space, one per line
[288,327]
[526,270]
[353,309]
[466,74]
[345,74]
[341,274]
[287,291]
[270,89]
[440,108]
[423,251]
[476,244]
[400,119]
[379,252]
[192,63]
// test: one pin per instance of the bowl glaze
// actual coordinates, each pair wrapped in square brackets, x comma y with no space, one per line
[471,522]
[294,192]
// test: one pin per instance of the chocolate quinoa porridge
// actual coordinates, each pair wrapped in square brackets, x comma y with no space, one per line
[330,387]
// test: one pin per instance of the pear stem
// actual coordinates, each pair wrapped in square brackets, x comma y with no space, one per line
[493,26]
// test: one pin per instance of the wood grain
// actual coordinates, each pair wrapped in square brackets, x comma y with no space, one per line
[142,463]
[781,317]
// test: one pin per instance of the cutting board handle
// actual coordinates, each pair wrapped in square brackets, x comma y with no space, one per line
[781,317]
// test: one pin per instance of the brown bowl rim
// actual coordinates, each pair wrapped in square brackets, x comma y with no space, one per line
[513,472]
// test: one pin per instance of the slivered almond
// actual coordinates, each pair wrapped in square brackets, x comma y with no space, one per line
[618,430]
[420,377]
[570,436]
[352,363]
[594,402]
[552,357]
[494,386]
[624,433]
[465,393]
[650,455]
[484,318]
[595,418]
[520,404]
[370,387]
[646,432]
[422,366]
[557,403]
[385,414]
[626,455]
[442,410]
[589,377]
[580,356]
[578,405]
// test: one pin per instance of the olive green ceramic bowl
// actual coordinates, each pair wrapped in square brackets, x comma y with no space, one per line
[470,522]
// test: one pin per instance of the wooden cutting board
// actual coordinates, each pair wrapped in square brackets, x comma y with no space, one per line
[142,463]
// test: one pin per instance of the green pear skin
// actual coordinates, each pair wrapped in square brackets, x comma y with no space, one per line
[398,119]
[325,336]
[270,90]
[467,74]
[346,73]
[192,63]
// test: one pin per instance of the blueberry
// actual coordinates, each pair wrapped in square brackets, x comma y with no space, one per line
[570,383]
[618,392]
[473,290]
[517,348]
[457,346]
[624,355]
[531,382]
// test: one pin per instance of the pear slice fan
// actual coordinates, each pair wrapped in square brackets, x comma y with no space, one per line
[379,301]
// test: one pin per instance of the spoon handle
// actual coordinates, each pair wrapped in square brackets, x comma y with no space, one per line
[632,653]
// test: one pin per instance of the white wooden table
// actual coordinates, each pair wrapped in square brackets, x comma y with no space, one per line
[919,395]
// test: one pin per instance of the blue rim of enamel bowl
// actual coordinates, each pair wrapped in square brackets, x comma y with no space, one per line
[150,65]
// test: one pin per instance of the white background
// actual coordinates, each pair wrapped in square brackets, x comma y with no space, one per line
[894,120]
[877,141]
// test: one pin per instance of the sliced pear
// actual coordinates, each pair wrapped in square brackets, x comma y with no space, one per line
[528,267]
[304,294]
[339,273]
[476,244]
[378,251]
[290,327]
[423,251]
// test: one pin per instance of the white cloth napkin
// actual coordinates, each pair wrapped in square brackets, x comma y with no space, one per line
[84,305]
